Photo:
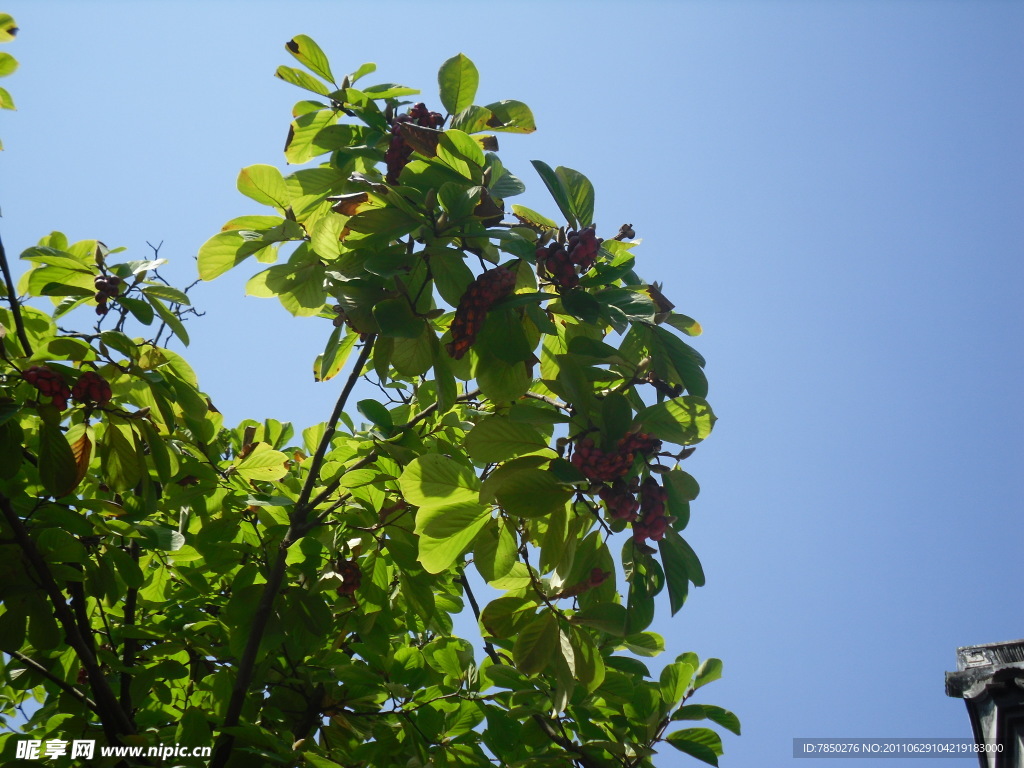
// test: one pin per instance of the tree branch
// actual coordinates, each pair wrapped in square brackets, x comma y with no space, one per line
[62,684]
[12,297]
[248,661]
[476,612]
[115,722]
[130,645]
[302,507]
[299,527]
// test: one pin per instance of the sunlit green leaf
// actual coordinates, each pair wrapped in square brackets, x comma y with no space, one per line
[458,79]
[264,184]
[683,420]
[701,743]
[308,53]
[262,463]
[497,438]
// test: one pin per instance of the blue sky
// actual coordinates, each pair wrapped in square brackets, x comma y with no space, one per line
[834,190]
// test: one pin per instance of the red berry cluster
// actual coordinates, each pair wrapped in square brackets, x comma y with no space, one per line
[564,263]
[398,150]
[606,466]
[491,286]
[91,388]
[49,383]
[107,287]
[351,576]
[652,523]
[621,499]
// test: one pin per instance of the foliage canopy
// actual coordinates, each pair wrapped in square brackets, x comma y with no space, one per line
[290,597]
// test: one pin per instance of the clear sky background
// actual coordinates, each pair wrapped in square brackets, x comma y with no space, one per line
[834,190]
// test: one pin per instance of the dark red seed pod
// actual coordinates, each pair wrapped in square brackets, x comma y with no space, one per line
[91,388]
[489,288]
[399,152]
[49,383]
[351,576]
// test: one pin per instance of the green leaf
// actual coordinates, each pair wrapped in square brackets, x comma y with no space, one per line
[536,644]
[532,218]
[684,553]
[458,79]
[558,191]
[645,643]
[683,420]
[264,184]
[709,671]
[701,743]
[172,321]
[229,249]
[311,758]
[472,119]
[301,79]
[120,457]
[439,482]
[446,532]
[674,682]
[580,193]
[330,363]
[723,717]
[687,362]
[193,728]
[451,275]
[687,325]
[8,64]
[164,539]
[607,617]
[58,470]
[506,616]
[58,546]
[6,102]
[118,342]
[377,414]
[301,145]
[530,493]
[396,319]
[495,551]
[309,54]
[8,28]
[140,310]
[460,152]
[502,382]
[496,438]
[511,116]
[262,463]
[676,576]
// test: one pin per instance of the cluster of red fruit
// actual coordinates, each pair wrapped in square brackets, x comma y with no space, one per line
[621,499]
[491,286]
[107,287]
[563,263]
[652,523]
[351,576]
[606,466]
[90,388]
[399,150]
